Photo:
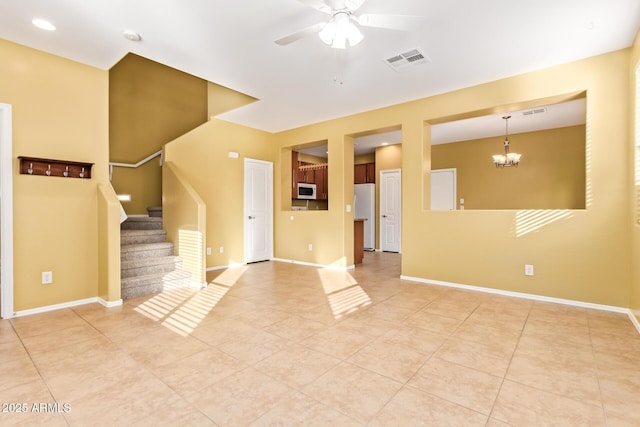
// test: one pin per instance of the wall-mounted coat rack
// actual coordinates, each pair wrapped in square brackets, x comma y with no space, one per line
[51,167]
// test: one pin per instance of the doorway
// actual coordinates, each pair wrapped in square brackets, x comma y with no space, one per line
[390,210]
[6,213]
[258,210]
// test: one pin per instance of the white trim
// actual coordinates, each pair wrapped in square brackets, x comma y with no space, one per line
[310,264]
[140,163]
[69,304]
[633,315]
[6,169]
[519,295]
[224,267]
[197,285]
[110,304]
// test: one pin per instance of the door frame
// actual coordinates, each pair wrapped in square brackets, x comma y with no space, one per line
[399,172]
[269,221]
[6,189]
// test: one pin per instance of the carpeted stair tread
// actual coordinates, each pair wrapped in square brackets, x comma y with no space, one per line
[153,283]
[142,222]
[145,250]
[132,237]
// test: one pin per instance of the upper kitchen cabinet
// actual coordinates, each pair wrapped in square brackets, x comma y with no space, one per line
[364,173]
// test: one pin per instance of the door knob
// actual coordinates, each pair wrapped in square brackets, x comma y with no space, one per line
[252,217]
[384,216]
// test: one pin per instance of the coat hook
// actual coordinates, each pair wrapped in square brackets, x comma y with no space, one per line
[66,171]
[82,173]
[48,171]
[30,170]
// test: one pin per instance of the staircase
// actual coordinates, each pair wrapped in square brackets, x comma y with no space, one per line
[147,263]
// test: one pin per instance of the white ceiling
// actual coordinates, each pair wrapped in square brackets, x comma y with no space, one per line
[231,43]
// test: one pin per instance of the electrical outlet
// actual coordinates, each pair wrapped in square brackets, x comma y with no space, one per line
[528,269]
[208,251]
[310,247]
[47,277]
[221,249]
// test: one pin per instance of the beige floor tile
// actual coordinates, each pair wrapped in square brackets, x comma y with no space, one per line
[367,324]
[409,301]
[303,411]
[519,404]
[453,308]
[416,339]
[295,328]
[390,312]
[497,337]
[475,355]
[254,348]
[412,407]
[337,342]
[261,317]
[393,361]
[564,377]
[17,371]
[178,413]
[433,322]
[21,406]
[464,386]
[46,323]
[240,398]
[354,391]
[296,365]
[198,371]
[55,339]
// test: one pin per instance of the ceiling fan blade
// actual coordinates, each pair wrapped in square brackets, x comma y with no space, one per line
[300,34]
[393,22]
[353,5]
[319,5]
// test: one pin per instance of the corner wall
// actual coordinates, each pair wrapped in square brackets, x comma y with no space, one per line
[634,154]
[60,111]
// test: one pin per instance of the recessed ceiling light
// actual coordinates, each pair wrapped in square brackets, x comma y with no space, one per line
[132,35]
[385,143]
[43,24]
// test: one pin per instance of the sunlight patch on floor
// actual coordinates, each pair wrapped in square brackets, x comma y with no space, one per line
[344,294]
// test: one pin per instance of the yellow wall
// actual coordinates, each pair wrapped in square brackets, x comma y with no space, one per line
[364,158]
[551,174]
[60,111]
[386,158]
[142,183]
[150,104]
[184,218]
[583,255]
[634,136]
[201,156]
[222,99]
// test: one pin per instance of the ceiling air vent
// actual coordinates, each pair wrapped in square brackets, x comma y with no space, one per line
[404,60]
[534,111]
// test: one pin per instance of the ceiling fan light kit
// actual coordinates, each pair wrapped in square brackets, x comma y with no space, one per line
[340,30]
[345,23]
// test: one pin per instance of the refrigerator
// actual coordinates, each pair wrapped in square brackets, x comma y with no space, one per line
[365,207]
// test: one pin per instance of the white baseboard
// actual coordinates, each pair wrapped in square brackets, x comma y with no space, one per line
[520,295]
[634,315]
[109,304]
[224,267]
[69,304]
[310,264]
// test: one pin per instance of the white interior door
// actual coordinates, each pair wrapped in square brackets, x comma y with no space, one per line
[390,210]
[443,190]
[258,210]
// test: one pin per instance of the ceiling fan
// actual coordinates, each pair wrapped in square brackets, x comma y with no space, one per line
[342,28]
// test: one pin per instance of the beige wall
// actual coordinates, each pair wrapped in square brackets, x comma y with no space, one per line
[60,111]
[201,156]
[551,174]
[574,253]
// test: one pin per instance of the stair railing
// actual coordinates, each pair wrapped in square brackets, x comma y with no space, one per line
[134,165]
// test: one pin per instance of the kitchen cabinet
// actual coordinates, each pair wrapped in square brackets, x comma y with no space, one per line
[294,174]
[364,173]
[358,240]
[322,184]
[306,176]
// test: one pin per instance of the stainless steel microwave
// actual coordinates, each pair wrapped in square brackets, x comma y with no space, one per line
[306,191]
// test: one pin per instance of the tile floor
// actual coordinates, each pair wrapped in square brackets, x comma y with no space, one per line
[280,344]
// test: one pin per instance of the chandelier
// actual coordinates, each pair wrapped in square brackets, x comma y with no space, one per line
[507,159]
